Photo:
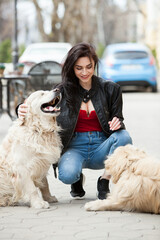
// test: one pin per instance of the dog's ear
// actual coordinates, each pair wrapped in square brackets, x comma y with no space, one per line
[134,154]
[122,160]
[117,163]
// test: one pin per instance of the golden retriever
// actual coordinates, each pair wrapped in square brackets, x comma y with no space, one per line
[28,151]
[137,182]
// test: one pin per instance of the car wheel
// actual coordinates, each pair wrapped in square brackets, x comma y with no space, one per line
[154,88]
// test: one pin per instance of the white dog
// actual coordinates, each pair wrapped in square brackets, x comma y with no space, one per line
[137,182]
[28,150]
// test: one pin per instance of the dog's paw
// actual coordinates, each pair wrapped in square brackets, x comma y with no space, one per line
[51,199]
[40,204]
[92,206]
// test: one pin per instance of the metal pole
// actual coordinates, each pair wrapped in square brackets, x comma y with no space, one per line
[15,43]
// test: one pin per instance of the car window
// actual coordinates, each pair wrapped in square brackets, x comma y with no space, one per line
[48,51]
[130,55]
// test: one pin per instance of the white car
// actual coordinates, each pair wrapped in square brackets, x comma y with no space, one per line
[38,52]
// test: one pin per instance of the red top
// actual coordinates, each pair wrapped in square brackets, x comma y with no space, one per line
[87,123]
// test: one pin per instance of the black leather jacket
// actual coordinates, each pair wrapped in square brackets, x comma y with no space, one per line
[107,100]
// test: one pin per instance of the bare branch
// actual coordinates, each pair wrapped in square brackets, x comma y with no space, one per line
[40,19]
[139,9]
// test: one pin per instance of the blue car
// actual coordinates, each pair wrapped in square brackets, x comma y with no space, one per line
[129,64]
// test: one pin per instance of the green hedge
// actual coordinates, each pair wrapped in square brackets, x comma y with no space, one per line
[6,51]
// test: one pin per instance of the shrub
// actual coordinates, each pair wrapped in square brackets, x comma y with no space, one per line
[6,51]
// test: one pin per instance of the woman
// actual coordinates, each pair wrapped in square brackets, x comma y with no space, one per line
[91,119]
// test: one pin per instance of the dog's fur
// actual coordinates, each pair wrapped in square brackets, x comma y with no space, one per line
[27,152]
[137,182]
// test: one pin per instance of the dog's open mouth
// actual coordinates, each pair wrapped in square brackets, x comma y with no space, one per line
[51,107]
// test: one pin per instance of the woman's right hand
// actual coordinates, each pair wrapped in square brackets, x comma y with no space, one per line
[22,110]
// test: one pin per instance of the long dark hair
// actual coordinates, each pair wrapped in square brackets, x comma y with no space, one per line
[69,80]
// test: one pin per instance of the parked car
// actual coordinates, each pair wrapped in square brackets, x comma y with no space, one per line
[46,51]
[129,64]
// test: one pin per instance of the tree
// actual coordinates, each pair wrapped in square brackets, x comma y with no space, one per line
[76,23]
[6,19]
[73,21]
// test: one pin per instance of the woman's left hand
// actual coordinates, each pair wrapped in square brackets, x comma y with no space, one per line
[115,124]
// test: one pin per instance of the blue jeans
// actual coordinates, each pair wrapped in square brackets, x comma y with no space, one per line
[89,150]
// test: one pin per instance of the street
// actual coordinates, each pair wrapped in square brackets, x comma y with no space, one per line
[45,42]
[142,119]
[67,219]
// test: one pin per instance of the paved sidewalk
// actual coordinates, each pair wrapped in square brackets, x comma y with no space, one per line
[67,219]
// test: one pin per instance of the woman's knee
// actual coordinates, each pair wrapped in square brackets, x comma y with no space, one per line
[69,176]
[69,167]
[122,138]
[119,138]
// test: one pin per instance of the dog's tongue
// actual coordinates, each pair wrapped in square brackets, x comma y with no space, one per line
[49,108]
